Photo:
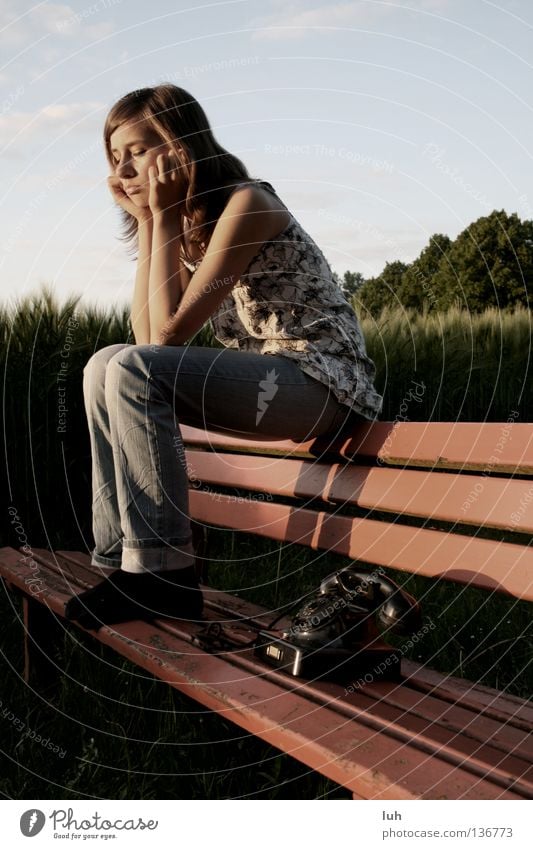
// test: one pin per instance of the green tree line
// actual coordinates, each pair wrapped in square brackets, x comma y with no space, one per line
[489,264]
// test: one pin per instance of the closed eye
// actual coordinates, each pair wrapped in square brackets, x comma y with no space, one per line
[137,153]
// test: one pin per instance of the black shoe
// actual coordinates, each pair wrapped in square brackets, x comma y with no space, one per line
[124,596]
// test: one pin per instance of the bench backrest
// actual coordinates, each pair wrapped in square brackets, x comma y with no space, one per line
[432,499]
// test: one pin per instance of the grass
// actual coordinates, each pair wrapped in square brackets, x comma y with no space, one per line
[473,367]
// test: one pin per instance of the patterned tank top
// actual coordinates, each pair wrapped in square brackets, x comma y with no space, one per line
[287,303]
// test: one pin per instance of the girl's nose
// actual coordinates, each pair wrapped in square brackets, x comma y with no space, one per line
[124,169]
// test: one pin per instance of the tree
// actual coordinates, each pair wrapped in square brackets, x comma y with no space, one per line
[416,288]
[378,292]
[489,264]
[351,283]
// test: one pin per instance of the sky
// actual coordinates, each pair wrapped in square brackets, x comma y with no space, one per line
[378,123]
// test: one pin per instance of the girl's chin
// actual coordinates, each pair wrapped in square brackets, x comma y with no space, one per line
[139,201]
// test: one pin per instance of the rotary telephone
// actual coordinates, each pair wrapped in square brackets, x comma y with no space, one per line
[335,634]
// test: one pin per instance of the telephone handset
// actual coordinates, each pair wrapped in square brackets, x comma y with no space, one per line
[334,633]
[396,610]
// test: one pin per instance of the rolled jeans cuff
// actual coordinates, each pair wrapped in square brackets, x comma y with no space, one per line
[148,555]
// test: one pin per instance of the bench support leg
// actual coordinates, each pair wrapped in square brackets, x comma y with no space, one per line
[42,635]
[199,539]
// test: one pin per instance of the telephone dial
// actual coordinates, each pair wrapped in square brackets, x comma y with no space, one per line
[335,633]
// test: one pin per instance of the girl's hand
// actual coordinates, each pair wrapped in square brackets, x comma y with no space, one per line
[141,213]
[167,190]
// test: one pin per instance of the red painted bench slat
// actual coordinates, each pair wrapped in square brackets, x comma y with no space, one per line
[490,447]
[479,562]
[470,499]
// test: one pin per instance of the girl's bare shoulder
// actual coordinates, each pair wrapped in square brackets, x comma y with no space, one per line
[264,211]
[252,198]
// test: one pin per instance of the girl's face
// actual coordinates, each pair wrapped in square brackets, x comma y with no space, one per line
[134,148]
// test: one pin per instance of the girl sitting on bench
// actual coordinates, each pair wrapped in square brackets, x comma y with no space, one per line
[214,244]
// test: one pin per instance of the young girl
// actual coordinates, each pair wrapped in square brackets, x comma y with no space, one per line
[213,244]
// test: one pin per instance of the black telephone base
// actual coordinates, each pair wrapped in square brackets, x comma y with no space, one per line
[377,660]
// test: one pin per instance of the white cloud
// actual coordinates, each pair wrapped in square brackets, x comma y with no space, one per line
[20,29]
[100,30]
[36,127]
[291,22]
[296,20]
[34,183]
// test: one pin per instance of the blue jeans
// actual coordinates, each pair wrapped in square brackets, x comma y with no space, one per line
[135,398]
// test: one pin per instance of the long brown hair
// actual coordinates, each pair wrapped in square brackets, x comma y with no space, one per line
[179,120]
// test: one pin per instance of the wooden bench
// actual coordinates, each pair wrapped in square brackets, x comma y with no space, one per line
[376,495]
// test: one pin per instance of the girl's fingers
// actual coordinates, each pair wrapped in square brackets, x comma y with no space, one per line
[162,166]
[172,165]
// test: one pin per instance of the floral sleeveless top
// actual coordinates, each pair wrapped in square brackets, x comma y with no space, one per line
[287,303]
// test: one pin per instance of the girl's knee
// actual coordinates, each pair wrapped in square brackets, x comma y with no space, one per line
[95,369]
[100,359]
[126,365]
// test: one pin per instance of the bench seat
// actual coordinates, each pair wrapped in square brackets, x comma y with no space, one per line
[431,737]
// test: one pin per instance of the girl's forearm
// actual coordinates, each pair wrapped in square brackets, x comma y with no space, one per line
[140,315]
[165,290]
